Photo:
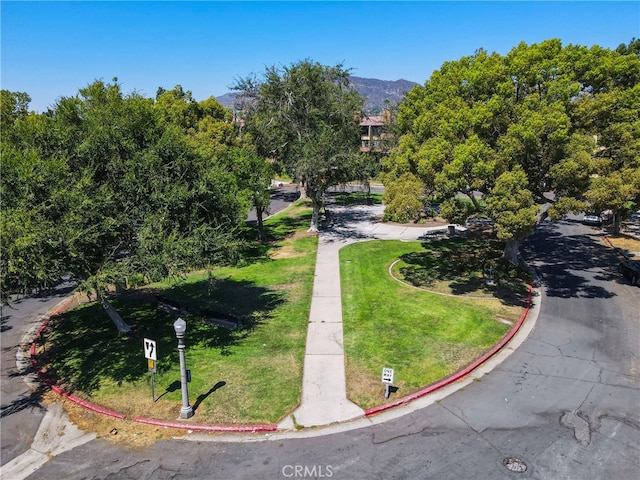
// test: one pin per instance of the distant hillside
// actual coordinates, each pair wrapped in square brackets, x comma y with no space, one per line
[375,92]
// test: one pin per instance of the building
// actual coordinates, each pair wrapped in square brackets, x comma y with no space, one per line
[372,132]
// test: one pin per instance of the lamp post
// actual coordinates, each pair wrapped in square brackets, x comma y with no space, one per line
[180,326]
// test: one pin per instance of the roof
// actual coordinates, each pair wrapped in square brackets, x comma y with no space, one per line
[372,121]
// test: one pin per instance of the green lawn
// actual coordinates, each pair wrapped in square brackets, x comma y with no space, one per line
[357,198]
[246,376]
[253,374]
[423,336]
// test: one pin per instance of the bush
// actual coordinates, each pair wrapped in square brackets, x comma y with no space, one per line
[404,199]
[456,210]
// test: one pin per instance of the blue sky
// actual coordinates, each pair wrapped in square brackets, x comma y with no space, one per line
[51,49]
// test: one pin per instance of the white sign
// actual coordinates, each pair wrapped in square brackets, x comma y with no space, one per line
[150,349]
[387,375]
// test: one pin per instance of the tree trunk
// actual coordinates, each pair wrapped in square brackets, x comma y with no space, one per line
[511,248]
[315,216]
[474,200]
[617,222]
[114,315]
[259,212]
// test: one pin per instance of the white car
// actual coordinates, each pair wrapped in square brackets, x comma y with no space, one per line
[592,220]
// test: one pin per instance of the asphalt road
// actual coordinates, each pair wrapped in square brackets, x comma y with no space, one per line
[20,413]
[565,405]
[281,198]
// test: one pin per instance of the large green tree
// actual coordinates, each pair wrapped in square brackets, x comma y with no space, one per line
[305,117]
[566,116]
[109,187]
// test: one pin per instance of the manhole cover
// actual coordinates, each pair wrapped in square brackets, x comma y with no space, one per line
[514,464]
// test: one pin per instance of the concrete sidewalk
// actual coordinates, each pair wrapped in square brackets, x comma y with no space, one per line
[324,393]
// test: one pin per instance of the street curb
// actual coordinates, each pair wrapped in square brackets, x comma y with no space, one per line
[95,408]
[463,373]
[208,428]
[261,428]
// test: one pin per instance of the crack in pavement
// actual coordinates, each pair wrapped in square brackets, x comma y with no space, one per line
[464,420]
[421,432]
[560,377]
[577,420]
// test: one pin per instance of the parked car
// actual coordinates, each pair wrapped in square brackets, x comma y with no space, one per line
[607,218]
[592,219]
[630,269]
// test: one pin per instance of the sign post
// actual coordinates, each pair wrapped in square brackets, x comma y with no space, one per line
[387,379]
[151,356]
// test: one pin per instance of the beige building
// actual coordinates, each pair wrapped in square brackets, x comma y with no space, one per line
[372,132]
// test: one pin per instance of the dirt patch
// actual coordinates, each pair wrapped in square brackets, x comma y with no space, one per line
[627,245]
[288,251]
[126,433]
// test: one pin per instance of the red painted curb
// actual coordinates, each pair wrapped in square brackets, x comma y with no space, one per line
[457,376]
[208,428]
[43,378]
[83,403]
[95,408]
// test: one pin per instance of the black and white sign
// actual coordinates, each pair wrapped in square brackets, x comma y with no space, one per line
[387,375]
[150,349]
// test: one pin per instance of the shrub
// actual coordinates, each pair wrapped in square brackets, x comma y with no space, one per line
[404,199]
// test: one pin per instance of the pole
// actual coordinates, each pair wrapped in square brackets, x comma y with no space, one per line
[186,411]
[153,388]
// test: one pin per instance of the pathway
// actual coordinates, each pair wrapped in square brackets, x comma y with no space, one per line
[324,393]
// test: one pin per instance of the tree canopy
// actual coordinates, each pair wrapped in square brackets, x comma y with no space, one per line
[554,118]
[111,187]
[305,118]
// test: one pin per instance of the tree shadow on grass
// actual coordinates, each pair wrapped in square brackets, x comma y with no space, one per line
[465,265]
[253,251]
[84,349]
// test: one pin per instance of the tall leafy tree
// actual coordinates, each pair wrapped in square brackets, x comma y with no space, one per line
[513,209]
[254,176]
[106,186]
[304,116]
[566,117]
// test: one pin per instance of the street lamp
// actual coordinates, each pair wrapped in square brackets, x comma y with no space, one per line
[180,326]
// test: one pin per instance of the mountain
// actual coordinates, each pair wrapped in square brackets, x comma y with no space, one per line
[375,92]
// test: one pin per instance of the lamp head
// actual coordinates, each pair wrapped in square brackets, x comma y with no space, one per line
[180,326]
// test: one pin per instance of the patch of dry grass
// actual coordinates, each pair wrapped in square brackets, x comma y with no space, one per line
[126,433]
[288,249]
[627,245]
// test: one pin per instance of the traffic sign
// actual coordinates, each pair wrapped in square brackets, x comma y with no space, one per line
[387,375]
[150,349]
